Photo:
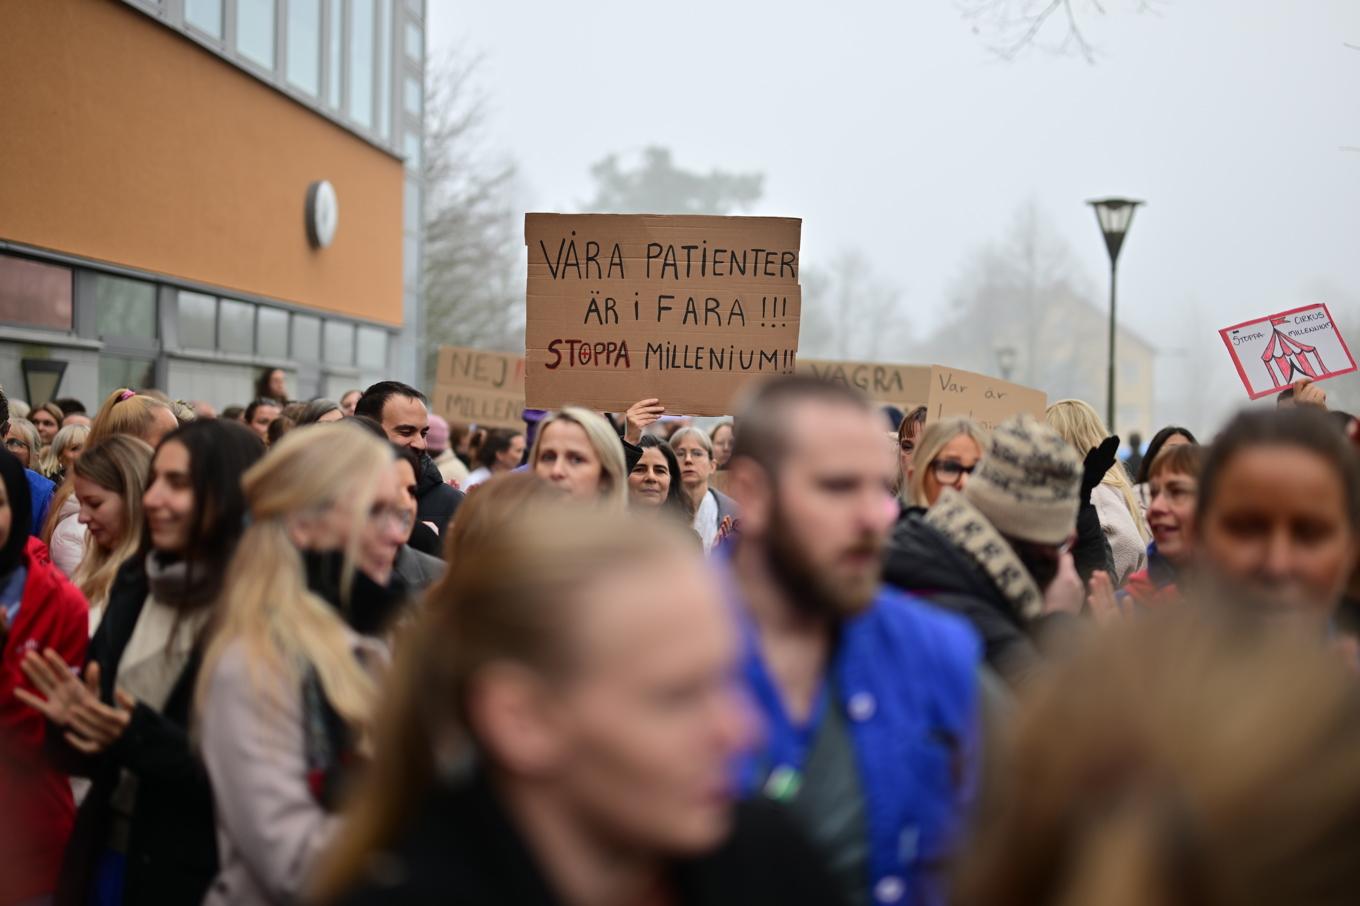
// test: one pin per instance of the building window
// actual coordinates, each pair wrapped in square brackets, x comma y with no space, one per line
[197,321]
[413,98]
[304,44]
[255,31]
[384,18]
[205,15]
[412,146]
[415,42]
[372,348]
[126,308]
[117,371]
[35,294]
[339,343]
[236,327]
[361,62]
[306,338]
[337,70]
[271,333]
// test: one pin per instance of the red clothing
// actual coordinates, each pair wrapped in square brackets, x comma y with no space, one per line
[36,808]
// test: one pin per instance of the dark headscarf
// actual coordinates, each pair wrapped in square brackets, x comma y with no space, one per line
[21,511]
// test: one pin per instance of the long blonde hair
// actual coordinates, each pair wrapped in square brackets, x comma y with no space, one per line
[266,604]
[120,465]
[607,445]
[1082,427]
[125,411]
[512,599]
[935,438]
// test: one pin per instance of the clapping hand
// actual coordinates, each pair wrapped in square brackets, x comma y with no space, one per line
[91,726]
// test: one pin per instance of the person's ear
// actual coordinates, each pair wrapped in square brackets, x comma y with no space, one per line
[751,486]
[301,529]
[513,715]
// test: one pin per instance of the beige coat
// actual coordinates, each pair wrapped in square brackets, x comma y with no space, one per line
[270,829]
[1126,544]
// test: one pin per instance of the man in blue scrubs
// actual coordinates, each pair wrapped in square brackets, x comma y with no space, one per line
[869,697]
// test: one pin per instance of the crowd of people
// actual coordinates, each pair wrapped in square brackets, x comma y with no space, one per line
[825,652]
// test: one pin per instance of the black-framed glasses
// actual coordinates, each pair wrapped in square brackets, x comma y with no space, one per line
[950,471]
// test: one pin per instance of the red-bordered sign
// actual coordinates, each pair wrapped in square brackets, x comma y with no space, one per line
[1273,352]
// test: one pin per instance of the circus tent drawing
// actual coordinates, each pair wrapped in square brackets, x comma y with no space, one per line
[1285,357]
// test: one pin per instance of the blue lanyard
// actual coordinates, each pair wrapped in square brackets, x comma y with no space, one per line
[780,768]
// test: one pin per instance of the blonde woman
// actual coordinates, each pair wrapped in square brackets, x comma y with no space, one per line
[65,449]
[288,685]
[110,480]
[946,453]
[1121,518]
[580,452]
[128,412]
[24,444]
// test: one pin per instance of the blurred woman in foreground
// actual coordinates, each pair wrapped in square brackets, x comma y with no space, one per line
[604,714]
[1278,513]
[1180,760]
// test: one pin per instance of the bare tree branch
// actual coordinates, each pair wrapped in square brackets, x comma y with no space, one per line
[472,269]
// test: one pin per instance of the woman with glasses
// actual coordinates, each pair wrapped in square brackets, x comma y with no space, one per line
[715,514]
[946,454]
[23,443]
[289,681]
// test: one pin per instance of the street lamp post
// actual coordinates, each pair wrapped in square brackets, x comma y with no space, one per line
[1114,216]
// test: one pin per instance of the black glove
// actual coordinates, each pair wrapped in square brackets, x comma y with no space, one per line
[1099,460]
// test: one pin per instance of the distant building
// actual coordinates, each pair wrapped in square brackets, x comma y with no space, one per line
[1064,352]
[191,190]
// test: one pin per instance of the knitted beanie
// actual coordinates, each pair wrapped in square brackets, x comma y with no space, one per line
[1027,483]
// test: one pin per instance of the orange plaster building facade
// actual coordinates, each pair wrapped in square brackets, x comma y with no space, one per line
[194,190]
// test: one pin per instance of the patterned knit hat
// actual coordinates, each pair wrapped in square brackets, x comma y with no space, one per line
[1027,484]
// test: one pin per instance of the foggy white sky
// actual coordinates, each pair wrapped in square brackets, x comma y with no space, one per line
[890,127]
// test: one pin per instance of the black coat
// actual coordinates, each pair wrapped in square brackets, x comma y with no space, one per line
[924,562]
[462,849]
[436,501]
[172,848]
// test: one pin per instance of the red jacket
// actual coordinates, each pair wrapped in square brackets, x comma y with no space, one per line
[36,808]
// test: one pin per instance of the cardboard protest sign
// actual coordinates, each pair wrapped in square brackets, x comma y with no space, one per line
[1275,351]
[686,309]
[945,392]
[478,387]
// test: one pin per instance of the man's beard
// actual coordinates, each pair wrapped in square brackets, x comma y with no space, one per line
[812,592]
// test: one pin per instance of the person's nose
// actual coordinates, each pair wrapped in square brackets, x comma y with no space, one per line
[1277,561]
[418,443]
[963,480]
